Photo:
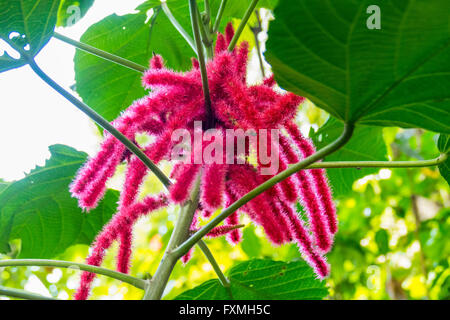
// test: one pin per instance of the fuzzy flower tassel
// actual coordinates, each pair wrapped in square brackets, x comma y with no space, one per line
[176,102]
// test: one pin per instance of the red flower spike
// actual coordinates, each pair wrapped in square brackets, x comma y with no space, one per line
[220,44]
[110,233]
[229,33]
[244,179]
[310,202]
[304,242]
[124,255]
[156,62]
[270,81]
[180,191]
[176,101]
[213,186]
[307,148]
[185,259]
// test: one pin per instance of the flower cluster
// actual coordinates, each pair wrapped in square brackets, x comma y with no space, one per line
[176,101]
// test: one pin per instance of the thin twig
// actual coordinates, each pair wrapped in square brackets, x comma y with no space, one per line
[242,25]
[209,256]
[21,294]
[178,26]
[219,16]
[256,30]
[138,283]
[201,60]
[379,164]
[100,53]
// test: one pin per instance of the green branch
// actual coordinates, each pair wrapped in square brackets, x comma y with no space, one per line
[242,25]
[207,21]
[178,26]
[219,16]
[101,122]
[379,164]
[138,283]
[209,256]
[256,30]
[21,294]
[100,53]
[338,143]
[206,37]
[201,60]
[157,284]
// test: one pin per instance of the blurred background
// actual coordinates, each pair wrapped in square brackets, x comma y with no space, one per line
[393,225]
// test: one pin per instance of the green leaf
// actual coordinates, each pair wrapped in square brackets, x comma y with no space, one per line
[382,240]
[444,147]
[395,76]
[71,11]
[40,211]
[366,144]
[109,88]
[3,184]
[250,244]
[26,24]
[263,280]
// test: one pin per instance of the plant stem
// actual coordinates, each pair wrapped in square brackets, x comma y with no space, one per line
[138,283]
[178,26]
[17,293]
[219,16]
[102,122]
[208,254]
[242,25]
[201,60]
[338,143]
[379,164]
[100,53]
[157,284]
[207,22]
[206,38]
[256,30]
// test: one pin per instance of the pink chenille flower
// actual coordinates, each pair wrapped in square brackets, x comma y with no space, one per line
[176,101]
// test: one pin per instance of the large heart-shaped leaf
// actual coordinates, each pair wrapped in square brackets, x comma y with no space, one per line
[109,88]
[39,210]
[394,76]
[27,24]
[444,147]
[263,280]
[366,144]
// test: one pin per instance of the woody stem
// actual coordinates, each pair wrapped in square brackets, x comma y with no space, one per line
[157,284]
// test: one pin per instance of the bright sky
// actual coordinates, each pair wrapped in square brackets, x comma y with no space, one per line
[33,115]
